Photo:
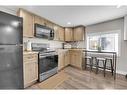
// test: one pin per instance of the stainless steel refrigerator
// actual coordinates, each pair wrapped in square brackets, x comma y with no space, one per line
[11,52]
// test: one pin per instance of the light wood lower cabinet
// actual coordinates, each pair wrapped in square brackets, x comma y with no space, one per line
[30,68]
[63,58]
[70,57]
[76,57]
[66,58]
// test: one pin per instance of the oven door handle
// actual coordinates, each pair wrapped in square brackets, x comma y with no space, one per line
[42,56]
[45,56]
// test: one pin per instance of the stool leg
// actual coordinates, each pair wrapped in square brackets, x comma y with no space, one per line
[85,63]
[97,62]
[111,66]
[105,66]
[91,64]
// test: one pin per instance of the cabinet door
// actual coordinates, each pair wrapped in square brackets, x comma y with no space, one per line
[76,58]
[68,34]
[28,23]
[60,60]
[61,34]
[72,58]
[30,69]
[78,33]
[39,20]
[49,24]
[67,58]
[27,74]
[34,71]
[56,32]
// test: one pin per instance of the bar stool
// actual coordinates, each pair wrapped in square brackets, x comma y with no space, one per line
[98,60]
[111,64]
[104,61]
[90,62]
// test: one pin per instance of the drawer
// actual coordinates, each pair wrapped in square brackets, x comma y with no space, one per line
[30,57]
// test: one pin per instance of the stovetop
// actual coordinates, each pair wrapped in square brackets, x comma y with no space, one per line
[42,48]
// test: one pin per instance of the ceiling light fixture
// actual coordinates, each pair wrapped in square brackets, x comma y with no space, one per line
[68,23]
[118,6]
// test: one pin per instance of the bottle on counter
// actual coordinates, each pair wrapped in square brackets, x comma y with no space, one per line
[29,45]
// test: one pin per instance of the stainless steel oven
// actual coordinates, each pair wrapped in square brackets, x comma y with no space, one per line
[47,60]
[48,65]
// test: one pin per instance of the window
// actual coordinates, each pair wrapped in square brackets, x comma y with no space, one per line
[105,41]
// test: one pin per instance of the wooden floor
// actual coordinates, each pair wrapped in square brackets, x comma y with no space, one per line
[72,78]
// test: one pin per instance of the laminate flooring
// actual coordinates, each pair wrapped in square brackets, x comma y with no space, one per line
[73,78]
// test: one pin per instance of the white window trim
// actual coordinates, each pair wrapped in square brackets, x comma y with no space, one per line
[105,32]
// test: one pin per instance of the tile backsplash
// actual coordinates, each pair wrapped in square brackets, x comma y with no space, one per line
[53,44]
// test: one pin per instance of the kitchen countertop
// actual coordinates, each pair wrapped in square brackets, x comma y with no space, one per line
[29,52]
[74,49]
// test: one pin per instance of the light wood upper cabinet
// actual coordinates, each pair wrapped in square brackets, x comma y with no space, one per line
[79,33]
[49,24]
[61,33]
[30,68]
[39,20]
[56,32]
[28,23]
[68,34]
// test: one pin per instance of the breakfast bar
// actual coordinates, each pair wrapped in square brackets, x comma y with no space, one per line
[103,56]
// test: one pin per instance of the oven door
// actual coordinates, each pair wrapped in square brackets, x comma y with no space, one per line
[47,63]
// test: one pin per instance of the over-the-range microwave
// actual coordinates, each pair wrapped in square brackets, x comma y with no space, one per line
[43,32]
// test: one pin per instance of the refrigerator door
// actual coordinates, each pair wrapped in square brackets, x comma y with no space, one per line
[10,29]
[11,67]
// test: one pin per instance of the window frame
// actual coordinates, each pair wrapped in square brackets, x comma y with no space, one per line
[103,33]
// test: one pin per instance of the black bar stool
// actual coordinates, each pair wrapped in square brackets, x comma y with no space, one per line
[104,61]
[90,60]
[111,64]
[98,60]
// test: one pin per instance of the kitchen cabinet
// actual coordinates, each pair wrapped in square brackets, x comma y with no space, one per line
[63,59]
[39,20]
[49,24]
[61,34]
[70,57]
[28,23]
[56,32]
[66,58]
[76,57]
[68,34]
[79,33]
[30,68]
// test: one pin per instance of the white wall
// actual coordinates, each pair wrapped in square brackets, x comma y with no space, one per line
[117,24]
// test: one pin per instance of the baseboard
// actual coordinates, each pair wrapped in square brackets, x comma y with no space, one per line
[121,72]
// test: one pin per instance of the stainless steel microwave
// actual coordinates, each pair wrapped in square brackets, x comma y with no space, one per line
[43,32]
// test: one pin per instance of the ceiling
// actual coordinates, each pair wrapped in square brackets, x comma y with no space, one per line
[77,15]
